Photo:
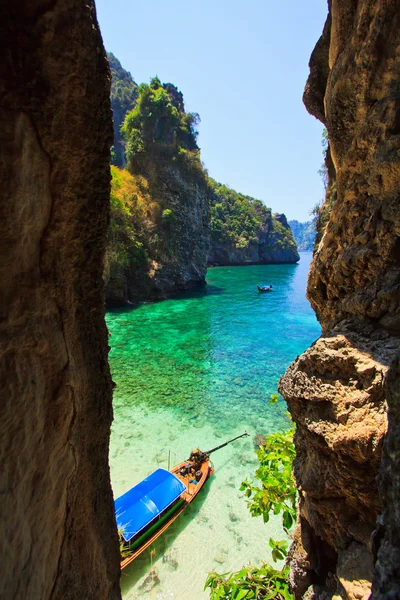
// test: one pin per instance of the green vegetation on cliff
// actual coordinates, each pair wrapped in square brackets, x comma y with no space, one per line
[236,219]
[123,96]
[132,222]
[274,494]
[244,230]
[159,233]
[159,129]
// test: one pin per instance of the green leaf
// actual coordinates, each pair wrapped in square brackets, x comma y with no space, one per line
[275,493]
[241,594]
[287,519]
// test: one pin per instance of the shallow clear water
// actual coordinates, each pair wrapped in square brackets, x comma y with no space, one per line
[196,371]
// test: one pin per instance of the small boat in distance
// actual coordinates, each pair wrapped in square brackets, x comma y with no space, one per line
[264,288]
[145,511]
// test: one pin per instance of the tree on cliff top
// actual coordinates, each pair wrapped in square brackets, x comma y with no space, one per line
[158,127]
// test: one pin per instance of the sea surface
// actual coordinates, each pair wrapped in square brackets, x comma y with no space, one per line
[195,371]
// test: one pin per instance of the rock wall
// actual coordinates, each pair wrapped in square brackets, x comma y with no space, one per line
[272,246]
[175,251]
[339,390]
[182,261]
[58,536]
[386,583]
[123,97]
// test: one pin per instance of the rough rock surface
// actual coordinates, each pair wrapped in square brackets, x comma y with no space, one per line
[178,261]
[386,583]
[58,536]
[338,390]
[181,263]
[123,97]
[336,394]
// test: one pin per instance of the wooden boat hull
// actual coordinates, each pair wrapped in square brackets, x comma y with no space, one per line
[192,489]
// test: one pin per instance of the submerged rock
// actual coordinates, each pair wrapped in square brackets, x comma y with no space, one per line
[150,581]
[259,440]
[170,558]
[233,517]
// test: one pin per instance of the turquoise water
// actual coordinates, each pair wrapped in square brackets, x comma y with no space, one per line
[195,371]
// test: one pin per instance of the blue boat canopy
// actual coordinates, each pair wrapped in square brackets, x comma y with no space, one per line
[145,501]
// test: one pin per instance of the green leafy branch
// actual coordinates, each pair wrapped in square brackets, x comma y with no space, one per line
[277,492]
[257,583]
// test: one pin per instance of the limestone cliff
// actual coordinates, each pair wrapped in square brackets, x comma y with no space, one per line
[160,227]
[165,251]
[123,97]
[244,231]
[339,390]
[58,536]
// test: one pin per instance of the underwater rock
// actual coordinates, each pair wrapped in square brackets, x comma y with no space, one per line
[150,581]
[259,440]
[170,559]
[221,555]
[232,517]
[203,519]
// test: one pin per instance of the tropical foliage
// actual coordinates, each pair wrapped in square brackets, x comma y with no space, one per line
[132,221]
[239,220]
[275,493]
[236,218]
[158,129]
[251,583]
[281,235]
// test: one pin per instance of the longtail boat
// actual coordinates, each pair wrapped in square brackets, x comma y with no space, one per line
[264,288]
[145,511]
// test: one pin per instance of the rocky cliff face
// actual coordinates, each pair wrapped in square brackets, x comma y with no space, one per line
[58,536]
[123,97]
[174,245]
[244,231]
[339,390]
[161,222]
[274,243]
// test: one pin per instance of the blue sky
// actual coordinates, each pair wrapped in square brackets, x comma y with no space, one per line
[242,66]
